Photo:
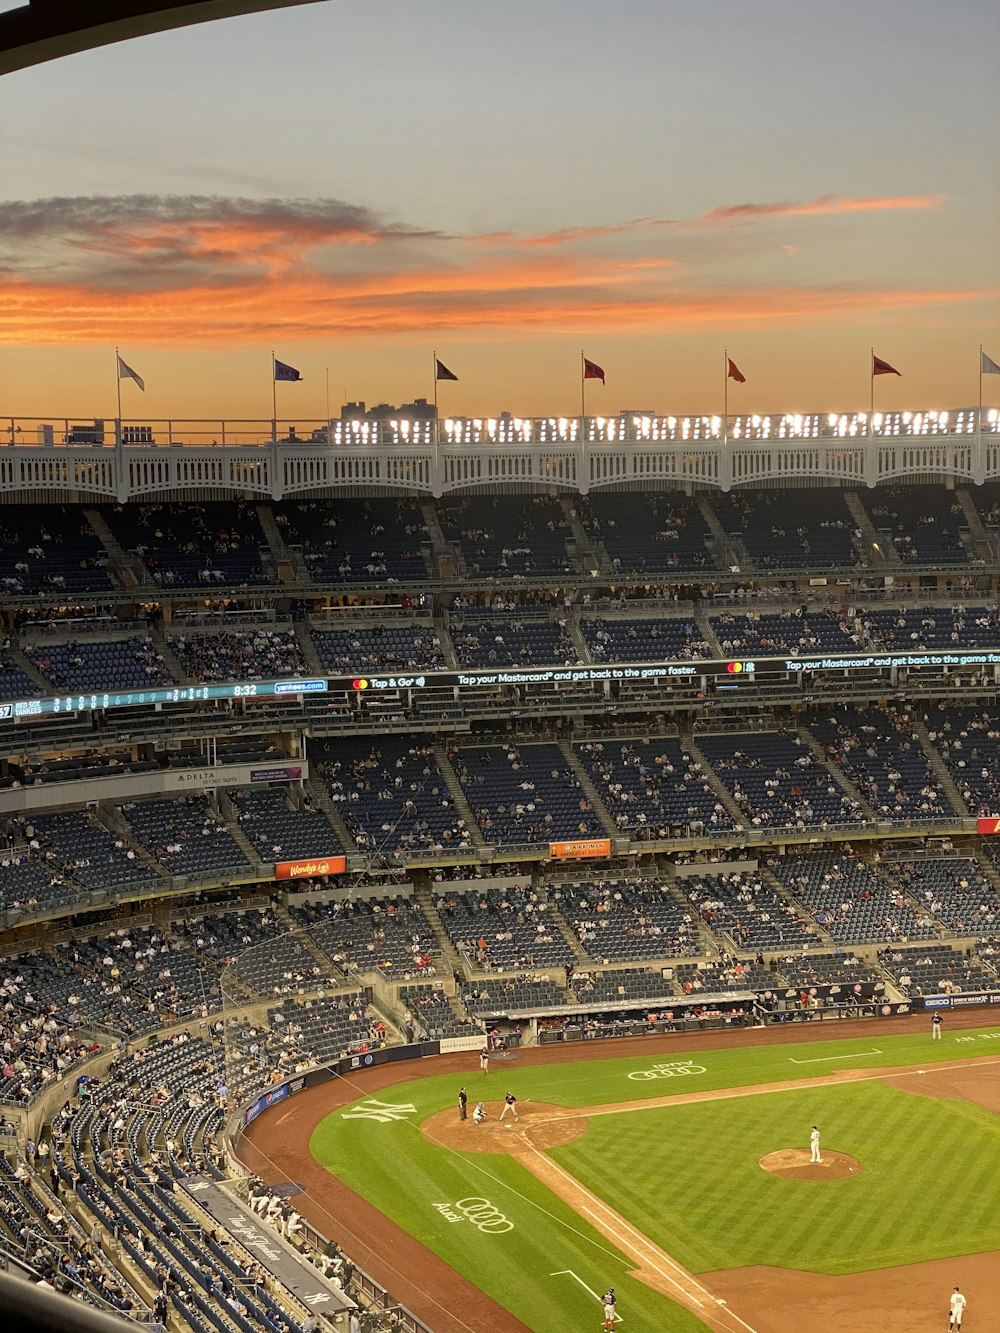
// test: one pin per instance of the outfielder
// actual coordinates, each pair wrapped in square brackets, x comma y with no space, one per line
[814,1156]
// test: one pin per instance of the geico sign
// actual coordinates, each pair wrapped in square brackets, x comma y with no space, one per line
[483,1216]
[668,1070]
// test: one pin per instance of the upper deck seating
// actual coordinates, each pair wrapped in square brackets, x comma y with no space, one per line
[356,540]
[647,532]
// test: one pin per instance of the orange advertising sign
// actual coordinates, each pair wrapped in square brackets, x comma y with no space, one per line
[991,826]
[310,866]
[587,848]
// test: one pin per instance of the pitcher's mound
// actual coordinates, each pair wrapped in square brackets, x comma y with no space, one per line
[794,1164]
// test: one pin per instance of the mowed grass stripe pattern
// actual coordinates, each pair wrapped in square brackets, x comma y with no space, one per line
[689,1177]
[405,1176]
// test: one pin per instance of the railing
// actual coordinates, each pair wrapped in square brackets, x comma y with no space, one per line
[126,460]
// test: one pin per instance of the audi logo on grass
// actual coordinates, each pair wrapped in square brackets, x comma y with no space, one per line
[483,1216]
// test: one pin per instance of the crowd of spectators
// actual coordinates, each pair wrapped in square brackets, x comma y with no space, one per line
[258,654]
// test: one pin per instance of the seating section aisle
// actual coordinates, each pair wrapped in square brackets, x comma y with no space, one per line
[147,979]
[522,794]
[15,683]
[924,522]
[266,957]
[216,543]
[390,794]
[643,640]
[653,786]
[878,750]
[186,835]
[356,541]
[849,901]
[778,782]
[956,892]
[100,665]
[84,851]
[621,921]
[648,533]
[431,1012]
[807,528]
[747,911]
[280,830]
[508,928]
[968,740]
[508,537]
[48,550]
[26,885]
[259,654]
[936,970]
[390,934]
[510,638]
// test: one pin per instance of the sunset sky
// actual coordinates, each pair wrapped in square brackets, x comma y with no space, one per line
[357,183]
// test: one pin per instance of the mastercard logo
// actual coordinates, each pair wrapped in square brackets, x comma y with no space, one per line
[359,684]
[737,668]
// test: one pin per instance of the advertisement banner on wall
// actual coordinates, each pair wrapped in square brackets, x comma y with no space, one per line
[286,773]
[312,867]
[990,827]
[476,1043]
[968,1000]
[586,849]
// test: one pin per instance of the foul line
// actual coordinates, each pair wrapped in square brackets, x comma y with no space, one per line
[621,1227]
[825,1059]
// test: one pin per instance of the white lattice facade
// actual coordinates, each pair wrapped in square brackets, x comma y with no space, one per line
[574,454]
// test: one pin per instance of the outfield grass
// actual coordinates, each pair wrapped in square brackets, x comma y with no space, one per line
[928,1185]
[688,1176]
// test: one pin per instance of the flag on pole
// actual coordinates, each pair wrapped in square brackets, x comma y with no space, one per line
[880,367]
[441,371]
[987,366]
[592,371]
[735,373]
[284,372]
[127,373]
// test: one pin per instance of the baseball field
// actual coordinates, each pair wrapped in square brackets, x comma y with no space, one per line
[674,1169]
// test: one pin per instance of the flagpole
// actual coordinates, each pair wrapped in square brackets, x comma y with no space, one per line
[274,399]
[328,404]
[583,389]
[434,379]
[118,378]
[725,394]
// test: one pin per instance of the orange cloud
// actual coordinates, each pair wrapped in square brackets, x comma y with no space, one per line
[188,269]
[823,205]
[306,308]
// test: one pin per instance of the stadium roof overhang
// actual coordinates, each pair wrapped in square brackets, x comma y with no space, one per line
[47,29]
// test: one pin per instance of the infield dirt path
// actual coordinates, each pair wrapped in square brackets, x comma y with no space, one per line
[755,1300]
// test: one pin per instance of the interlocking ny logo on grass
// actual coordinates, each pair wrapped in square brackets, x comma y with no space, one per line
[669,1069]
[372,1109]
[480,1212]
